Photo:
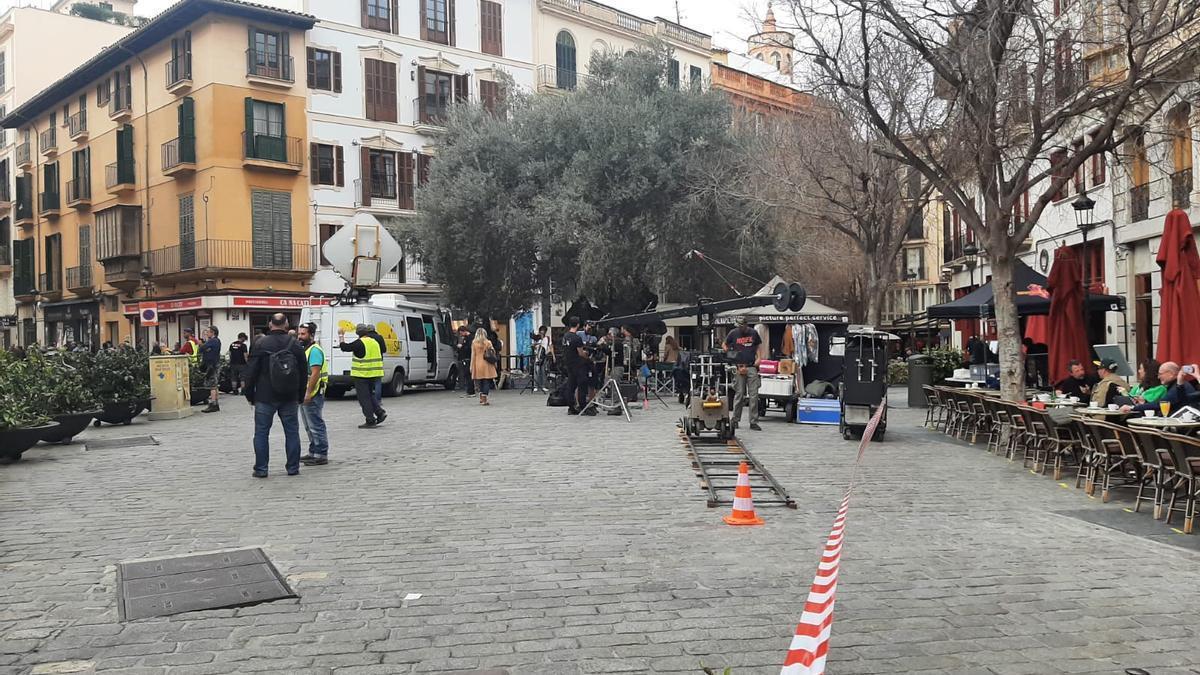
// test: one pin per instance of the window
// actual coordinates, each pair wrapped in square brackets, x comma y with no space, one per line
[416,329]
[3,131]
[324,232]
[491,39]
[1020,209]
[3,72]
[438,90]
[85,248]
[179,68]
[103,92]
[383,174]
[1099,168]
[271,229]
[379,15]
[119,232]
[914,264]
[326,164]
[408,183]
[265,130]
[423,168]
[1140,169]
[53,263]
[673,73]
[324,69]
[437,21]
[50,181]
[695,77]
[1058,161]
[1179,127]
[187,232]
[777,61]
[5,241]
[81,174]
[380,86]
[564,60]
[490,96]
[268,55]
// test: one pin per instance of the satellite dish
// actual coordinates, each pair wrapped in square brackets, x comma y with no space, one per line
[362,251]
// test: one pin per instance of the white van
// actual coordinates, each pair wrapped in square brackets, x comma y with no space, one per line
[419,342]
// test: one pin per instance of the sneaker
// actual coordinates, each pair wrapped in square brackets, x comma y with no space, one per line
[259,474]
[380,417]
[754,426]
[572,411]
[369,424]
[590,412]
[294,473]
[314,460]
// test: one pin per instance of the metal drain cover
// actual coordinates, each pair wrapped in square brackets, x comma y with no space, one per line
[206,581]
[128,442]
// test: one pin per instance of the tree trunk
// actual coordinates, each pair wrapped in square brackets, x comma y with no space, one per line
[1008,328]
[876,291]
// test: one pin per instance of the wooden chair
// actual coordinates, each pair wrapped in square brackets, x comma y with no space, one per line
[1186,451]
[1117,455]
[934,409]
[1055,440]
[1159,464]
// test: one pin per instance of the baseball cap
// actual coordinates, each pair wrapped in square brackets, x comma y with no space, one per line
[1107,364]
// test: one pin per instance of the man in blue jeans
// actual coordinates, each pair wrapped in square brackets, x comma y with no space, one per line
[313,406]
[277,395]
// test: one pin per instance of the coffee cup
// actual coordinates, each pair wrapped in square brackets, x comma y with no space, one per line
[1114,407]
[1148,413]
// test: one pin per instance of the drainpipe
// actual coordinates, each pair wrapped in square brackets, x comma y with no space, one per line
[146,153]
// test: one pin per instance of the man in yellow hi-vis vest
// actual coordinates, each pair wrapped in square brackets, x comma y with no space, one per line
[312,408]
[366,370]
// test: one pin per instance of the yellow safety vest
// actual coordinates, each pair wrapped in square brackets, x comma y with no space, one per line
[371,364]
[321,383]
[194,357]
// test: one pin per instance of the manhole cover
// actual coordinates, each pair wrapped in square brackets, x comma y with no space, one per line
[205,581]
[128,442]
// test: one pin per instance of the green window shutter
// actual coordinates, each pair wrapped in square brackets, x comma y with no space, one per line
[248,136]
[281,226]
[260,228]
[23,272]
[187,130]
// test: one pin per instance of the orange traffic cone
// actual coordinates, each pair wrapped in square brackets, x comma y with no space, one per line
[743,504]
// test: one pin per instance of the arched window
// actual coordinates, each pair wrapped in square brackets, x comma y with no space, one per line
[777,60]
[758,56]
[564,60]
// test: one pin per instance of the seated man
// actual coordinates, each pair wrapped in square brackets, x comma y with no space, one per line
[1110,385]
[1180,390]
[1078,383]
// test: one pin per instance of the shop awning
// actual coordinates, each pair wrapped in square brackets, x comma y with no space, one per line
[980,303]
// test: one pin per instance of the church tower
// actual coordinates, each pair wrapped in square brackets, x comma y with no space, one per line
[774,46]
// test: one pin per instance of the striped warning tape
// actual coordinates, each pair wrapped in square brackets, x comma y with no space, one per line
[810,645]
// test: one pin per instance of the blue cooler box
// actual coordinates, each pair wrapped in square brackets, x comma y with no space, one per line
[818,411]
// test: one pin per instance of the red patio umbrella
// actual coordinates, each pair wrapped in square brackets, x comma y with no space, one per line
[1068,339]
[1179,309]
[1036,326]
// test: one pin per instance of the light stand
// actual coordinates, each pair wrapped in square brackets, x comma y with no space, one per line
[1083,220]
[971,253]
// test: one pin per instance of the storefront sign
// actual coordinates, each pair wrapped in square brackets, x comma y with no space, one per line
[8,321]
[70,311]
[783,318]
[257,301]
[167,305]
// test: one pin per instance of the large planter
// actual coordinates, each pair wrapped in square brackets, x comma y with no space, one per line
[17,440]
[69,426]
[121,412]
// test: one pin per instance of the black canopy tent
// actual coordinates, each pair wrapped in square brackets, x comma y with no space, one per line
[981,303]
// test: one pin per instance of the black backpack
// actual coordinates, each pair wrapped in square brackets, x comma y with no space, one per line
[284,371]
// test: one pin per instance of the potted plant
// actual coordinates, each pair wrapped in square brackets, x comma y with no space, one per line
[22,420]
[67,395]
[121,378]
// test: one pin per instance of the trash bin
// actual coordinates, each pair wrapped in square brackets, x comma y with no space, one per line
[920,374]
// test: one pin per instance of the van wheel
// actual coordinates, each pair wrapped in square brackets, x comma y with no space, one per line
[451,382]
[396,386]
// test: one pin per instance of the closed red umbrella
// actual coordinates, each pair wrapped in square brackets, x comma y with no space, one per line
[1068,339]
[1179,309]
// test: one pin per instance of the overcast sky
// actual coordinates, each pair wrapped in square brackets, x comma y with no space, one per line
[728,21]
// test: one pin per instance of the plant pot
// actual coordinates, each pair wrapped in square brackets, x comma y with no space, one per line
[121,412]
[199,396]
[69,426]
[17,440]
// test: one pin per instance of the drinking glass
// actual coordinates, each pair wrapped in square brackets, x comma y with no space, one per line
[1165,407]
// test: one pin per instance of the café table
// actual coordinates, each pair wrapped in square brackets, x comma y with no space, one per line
[1111,415]
[1167,423]
[963,382]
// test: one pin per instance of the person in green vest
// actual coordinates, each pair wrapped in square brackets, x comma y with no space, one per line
[366,370]
[312,408]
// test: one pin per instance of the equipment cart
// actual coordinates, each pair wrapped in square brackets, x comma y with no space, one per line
[864,382]
[776,392]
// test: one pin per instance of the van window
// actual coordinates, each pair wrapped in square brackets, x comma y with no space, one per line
[416,330]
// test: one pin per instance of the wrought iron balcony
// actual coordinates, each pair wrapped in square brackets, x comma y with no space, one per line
[1139,203]
[24,154]
[50,204]
[1181,189]
[552,78]
[79,279]
[272,152]
[269,67]
[179,156]
[120,105]
[50,283]
[119,177]
[48,141]
[207,255]
[77,126]
[429,116]
[383,196]
[79,192]
[179,72]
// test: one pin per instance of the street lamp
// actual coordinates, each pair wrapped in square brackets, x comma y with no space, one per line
[1084,206]
[971,253]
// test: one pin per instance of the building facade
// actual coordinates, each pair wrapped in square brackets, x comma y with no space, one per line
[567,32]
[381,78]
[25,67]
[171,169]
[920,282]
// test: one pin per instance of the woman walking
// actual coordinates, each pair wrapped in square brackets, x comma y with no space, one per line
[483,364]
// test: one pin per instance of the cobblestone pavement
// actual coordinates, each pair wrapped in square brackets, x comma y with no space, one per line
[546,544]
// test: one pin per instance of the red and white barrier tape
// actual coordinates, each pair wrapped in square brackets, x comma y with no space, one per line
[810,645]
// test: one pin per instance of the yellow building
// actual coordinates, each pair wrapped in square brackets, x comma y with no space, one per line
[169,168]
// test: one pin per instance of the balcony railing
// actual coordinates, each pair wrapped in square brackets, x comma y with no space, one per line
[24,154]
[684,34]
[24,210]
[5,255]
[607,15]
[264,147]
[1068,79]
[383,196]
[5,193]
[120,104]
[430,113]
[77,124]
[48,140]
[118,173]
[50,202]
[1139,203]
[79,277]
[177,152]
[179,70]
[78,191]
[1181,189]
[553,77]
[50,282]
[269,65]
[224,254]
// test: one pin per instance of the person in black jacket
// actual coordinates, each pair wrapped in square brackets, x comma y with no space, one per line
[269,402]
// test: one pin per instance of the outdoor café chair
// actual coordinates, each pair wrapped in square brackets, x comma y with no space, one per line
[1186,451]
[1115,456]
[1159,465]
[984,424]
[999,421]
[933,407]
[1056,441]
[1019,430]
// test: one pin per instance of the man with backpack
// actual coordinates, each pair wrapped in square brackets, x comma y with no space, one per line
[275,384]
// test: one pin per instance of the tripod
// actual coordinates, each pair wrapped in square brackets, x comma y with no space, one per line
[609,398]
[530,381]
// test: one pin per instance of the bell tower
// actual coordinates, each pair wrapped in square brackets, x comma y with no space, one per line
[773,46]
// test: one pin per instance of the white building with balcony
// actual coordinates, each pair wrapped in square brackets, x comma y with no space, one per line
[568,32]
[381,76]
